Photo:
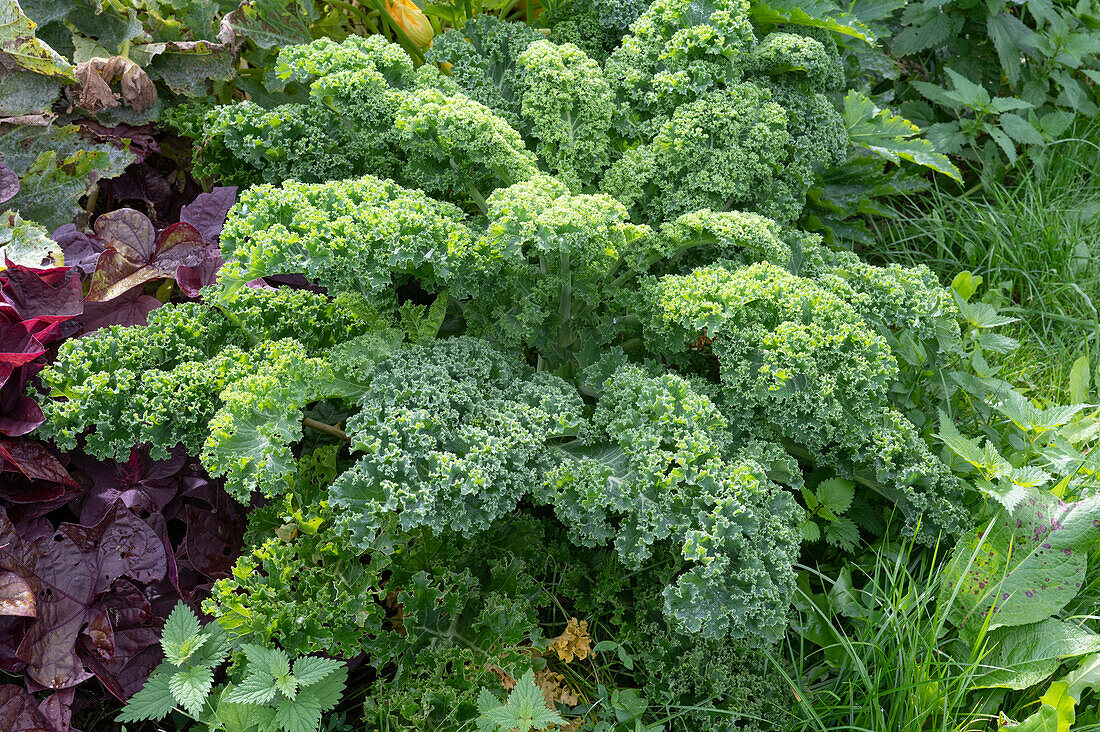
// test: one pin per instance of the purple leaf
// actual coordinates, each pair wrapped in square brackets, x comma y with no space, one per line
[9,183]
[81,250]
[70,568]
[16,595]
[141,484]
[34,293]
[19,711]
[135,256]
[130,308]
[34,460]
[20,353]
[208,211]
[192,279]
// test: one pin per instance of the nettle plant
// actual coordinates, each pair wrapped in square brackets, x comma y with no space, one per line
[565,329]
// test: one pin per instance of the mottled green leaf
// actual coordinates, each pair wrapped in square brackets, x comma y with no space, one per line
[26,243]
[1024,567]
[19,44]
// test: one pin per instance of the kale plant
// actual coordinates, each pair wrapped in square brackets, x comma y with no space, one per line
[558,326]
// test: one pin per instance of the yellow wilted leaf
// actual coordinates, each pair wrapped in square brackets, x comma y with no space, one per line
[574,642]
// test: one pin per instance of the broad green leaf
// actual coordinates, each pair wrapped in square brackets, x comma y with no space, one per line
[1025,566]
[811,13]
[1085,676]
[890,136]
[836,494]
[19,44]
[1026,655]
[811,532]
[1079,380]
[182,635]
[1056,713]
[27,93]
[26,243]
[966,284]
[56,167]
[153,701]
[191,686]
[274,23]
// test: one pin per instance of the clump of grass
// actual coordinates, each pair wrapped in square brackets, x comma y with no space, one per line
[1036,239]
[882,655]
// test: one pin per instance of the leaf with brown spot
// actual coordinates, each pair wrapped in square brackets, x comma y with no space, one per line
[20,47]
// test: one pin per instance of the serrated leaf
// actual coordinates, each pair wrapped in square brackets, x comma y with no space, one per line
[1020,130]
[257,688]
[241,717]
[272,661]
[525,709]
[310,670]
[153,701]
[19,43]
[928,32]
[287,686]
[966,448]
[299,715]
[811,531]
[890,136]
[179,635]
[191,686]
[842,533]
[1009,35]
[328,692]
[836,494]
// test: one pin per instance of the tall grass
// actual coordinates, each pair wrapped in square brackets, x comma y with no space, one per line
[892,663]
[1036,239]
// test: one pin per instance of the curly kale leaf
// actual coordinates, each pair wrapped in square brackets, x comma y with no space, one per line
[453,435]
[547,269]
[678,51]
[482,57]
[350,236]
[799,364]
[657,468]
[163,384]
[568,104]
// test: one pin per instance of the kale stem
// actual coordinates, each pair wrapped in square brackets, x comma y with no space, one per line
[326,428]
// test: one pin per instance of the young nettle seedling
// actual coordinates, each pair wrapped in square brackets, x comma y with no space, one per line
[825,504]
[275,695]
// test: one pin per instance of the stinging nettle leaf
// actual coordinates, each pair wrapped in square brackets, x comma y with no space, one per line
[889,136]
